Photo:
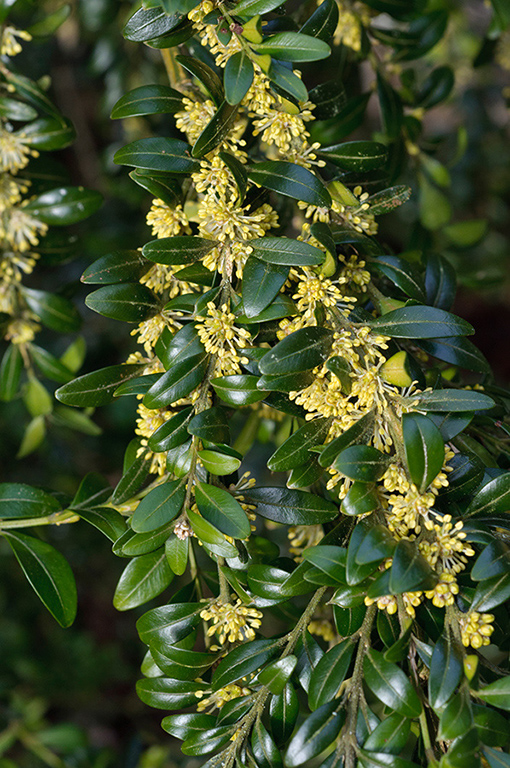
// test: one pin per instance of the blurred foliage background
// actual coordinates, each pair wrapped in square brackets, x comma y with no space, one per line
[67,696]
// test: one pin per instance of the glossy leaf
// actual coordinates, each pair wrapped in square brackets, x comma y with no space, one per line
[293,46]
[446,671]
[315,734]
[424,449]
[98,387]
[220,508]
[238,77]
[54,311]
[158,154]
[415,322]
[130,302]
[283,713]
[286,251]
[178,382]
[143,578]
[389,683]
[302,350]
[159,506]
[454,400]
[329,674]
[242,661]
[291,181]
[65,205]
[296,449]
[148,100]
[361,462]
[291,507]
[182,249]
[276,674]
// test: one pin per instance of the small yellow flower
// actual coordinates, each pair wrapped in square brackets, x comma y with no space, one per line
[221,337]
[231,621]
[166,221]
[10,45]
[14,152]
[21,230]
[322,628]
[22,330]
[303,536]
[444,592]
[476,629]
[219,698]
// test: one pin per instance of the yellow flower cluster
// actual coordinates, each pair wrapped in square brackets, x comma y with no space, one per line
[302,537]
[476,629]
[217,699]
[322,628]
[231,621]
[10,44]
[222,338]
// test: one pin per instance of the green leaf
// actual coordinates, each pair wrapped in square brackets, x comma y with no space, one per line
[492,499]
[265,751]
[458,351]
[361,499]
[207,741]
[377,545]
[360,156]
[205,75]
[391,107]
[495,758]
[182,726]
[361,462]
[181,663]
[383,759]
[315,734]
[294,46]
[210,536]
[238,77]
[390,735]
[453,400]
[243,660]
[218,463]
[286,251]
[146,24]
[291,507]
[287,382]
[66,205]
[409,569]
[419,322]
[403,274]
[497,693]
[49,133]
[33,436]
[183,249]
[211,425]
[10,373]
[160,506]
[435,207]
[492,727]
[491,592]
[105,519]
[446,671]
[276,674]
[50,366]
[456,717]
[300,351]
[54,311]
[97,388]
[161,185]
[330,673]
[493,561]
[281,306]
[283,713]
[285,79]
[291,181]
[238,171]
[158,154]
[18,500]
[261,283]
[216,129]
[391,686]
[323,21]
[220,508]
[183,344]
[12,109]
[238,390]
[296,449]
[49,573]
[166,693]
[130,302]
[251,8]
[424,449]
[148,100]
[143,578]
[178,382]
[168,624]
[436,87]
[354,434]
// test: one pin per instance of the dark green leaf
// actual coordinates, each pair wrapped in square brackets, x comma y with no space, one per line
[285,79]
[205,75]
[211,425]
[160,506]
[283,713]
[143,578]
[50,133]
[183,249]
[105,519]
[390,735]
[216,130]
[168,624]
[265,751]
[238,390]
[458,351]
[361,462]
[495,758]
[276,674]
[148,100]
[294,46]
[261,283]
[446,671]
[291,507]
[354,434]
[409,570]
[146,24]
[158,154]
[49,573]
[242,661]
[403,274]
[238,77]
[166,693]
[96,388]
[286,251]
[361,499]
[424,448]
[18,500]
[178,382]
[491,592]
[391,107]
[296,449]
[456,717]
[66,205]
[302,350]
[315,734]
[290,180]
[10,373]
[491,725]
[323,21]
[360,156]
[130,302]
[54,311]
[419,322]
[220,508]
[453,400]
[329,674]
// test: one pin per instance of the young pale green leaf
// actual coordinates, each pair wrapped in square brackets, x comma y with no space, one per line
[243,660]
[315,734]
[183,249]
[218,463]
[96,388]
[361,462]
[10,373]
[148,100]
[446,671]
[454,400]
[276,674]
[329,674]
[419,322]
[296,449]
[158,154]
[424,449]
[48,572]
[291,181]
[178,382]
[65,205]
[129,302]
[294,46]
[215,130]
[160,506]
[390,684]
[238,77]
[262,282]
[220,508]
[143,578]
[302,350]
[291,507]
[286,251]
